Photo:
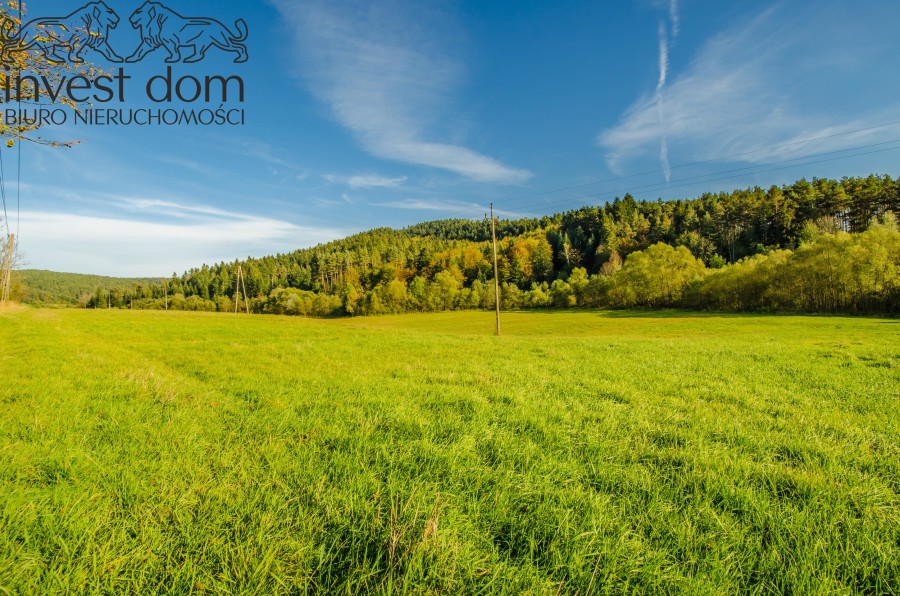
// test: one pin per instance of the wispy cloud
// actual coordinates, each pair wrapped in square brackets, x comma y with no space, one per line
[471,209]
[188,164]
[366,180]
[375,181]
[662,36]
[674,18]
[160,207]
[157,238]
[733,99]
[271,157]
[426,205]
[386,71]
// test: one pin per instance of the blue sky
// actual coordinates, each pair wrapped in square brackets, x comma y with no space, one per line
[360,115]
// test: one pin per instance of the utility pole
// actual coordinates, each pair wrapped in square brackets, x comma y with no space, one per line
[166,291]
[244,286]
[238,283]
[237,289]
[6,271]
[496,271]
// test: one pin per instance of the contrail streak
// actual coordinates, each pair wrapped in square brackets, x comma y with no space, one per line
[673,17]
[660,85]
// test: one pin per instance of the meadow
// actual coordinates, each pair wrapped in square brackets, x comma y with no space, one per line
[583,452]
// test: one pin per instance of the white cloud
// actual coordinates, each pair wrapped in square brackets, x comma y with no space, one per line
[366,180]
[471,209]
[181,236]
[375,181]
[674,18]
[385,70]
[424,205]
[174,209]
[734,99]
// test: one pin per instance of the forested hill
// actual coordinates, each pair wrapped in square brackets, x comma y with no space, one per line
[594,255]
[50,287]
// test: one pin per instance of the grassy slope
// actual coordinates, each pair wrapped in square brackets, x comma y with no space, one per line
[587,452]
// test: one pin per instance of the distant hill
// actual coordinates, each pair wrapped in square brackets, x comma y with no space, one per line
[34,286]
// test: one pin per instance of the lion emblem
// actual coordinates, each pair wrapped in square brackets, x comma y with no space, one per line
[85,28]
[163,27]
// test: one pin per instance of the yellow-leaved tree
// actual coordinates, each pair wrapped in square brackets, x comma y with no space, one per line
[32,54]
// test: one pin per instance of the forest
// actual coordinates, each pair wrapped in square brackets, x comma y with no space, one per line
[51,288]
[812,246]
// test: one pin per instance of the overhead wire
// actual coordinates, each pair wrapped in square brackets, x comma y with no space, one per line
[772,169]
[3,194]
[715,176]
[19,175]
[19,192]
[704,161]
[712,177]
[19,150]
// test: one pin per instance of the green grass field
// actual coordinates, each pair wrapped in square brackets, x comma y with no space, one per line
[583,452]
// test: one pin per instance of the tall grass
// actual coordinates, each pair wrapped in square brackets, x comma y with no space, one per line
[145,452]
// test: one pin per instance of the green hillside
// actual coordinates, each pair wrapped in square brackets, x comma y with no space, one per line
[34,286]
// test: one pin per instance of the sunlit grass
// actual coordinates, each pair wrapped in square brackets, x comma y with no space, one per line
[582,452]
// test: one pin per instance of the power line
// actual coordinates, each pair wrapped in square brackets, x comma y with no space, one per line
[3,194]
[753,169]
[19,172]
[746,169]
[710,160]
[783,167]
[660,186]
[19,191]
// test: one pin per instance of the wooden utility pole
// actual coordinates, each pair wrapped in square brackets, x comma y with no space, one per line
[237,289]
[496,271]
[238,284]
[166,291]
[6,271]
[244,286]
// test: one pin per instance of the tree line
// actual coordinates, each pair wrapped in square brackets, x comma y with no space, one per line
[819,246]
